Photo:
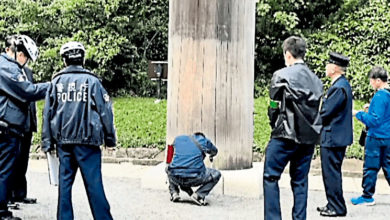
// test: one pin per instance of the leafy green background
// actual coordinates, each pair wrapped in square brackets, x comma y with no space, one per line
[140,122]
[121,36]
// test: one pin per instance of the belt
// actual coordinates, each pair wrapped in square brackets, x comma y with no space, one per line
[6,129]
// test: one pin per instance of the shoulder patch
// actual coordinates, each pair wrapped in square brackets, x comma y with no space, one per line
[21,78]
[106,97]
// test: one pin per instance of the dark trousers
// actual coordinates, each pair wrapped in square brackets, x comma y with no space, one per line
[19,182]
[9,146]
[207,181]
[278,153]
[331,161]
[376,156]
[88,158]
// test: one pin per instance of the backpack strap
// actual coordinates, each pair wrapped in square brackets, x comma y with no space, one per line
[198,145]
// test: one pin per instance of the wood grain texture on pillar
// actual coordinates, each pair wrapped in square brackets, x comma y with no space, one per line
[211,75]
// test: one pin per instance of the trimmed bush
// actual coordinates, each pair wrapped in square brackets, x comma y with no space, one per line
[142,123]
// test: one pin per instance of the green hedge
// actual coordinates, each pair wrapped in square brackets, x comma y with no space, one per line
[142,123]
[139,122]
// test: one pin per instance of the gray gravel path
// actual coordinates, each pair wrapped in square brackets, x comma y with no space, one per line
[129,201]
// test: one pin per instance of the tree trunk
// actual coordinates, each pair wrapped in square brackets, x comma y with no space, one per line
[211,75]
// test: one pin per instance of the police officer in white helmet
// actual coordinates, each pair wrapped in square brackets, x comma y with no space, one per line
[15,94]
[77,119]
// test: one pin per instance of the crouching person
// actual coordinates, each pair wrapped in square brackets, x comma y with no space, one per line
[188,169]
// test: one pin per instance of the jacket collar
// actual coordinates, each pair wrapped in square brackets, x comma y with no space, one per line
[75,69]
[10,59]
[336,79]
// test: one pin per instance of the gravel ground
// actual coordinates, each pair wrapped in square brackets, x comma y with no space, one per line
[129,201]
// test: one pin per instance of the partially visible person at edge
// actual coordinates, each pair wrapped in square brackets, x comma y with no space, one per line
[336,135]
[296,124]
[188,169]
[78,119]
[377,148]
[16,94]
[18,192]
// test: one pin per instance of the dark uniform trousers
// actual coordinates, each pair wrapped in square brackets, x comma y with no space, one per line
[331,161]
[88,158]
[9,147]
[278,153]
[19,181]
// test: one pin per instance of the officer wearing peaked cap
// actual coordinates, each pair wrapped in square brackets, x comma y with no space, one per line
[336,135]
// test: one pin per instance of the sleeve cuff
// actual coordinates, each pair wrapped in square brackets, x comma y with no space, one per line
[359,115]
[109,142]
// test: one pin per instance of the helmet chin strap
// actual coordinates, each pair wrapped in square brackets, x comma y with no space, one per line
[24,63]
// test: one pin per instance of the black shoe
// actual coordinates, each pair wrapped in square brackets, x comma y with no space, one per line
[331,213]
[322,209]
[26,200]
[175,197]
[199,201]
[8,216]
[12,205]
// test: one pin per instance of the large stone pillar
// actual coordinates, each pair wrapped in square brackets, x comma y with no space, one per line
[211,75]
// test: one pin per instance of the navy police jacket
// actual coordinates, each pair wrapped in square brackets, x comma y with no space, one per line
[298,92]
[77,110]
[31,122]
[188,158]
[16,91]
[336,115]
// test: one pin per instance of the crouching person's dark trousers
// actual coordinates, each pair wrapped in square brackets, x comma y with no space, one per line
[88,158]
[207,181]
[278,153]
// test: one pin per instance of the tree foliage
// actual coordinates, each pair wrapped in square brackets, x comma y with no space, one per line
[120,36]
[360,31]
[278,19]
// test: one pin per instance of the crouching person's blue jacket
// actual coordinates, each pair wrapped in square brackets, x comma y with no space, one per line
[77,110]
[15,94]
[188,158]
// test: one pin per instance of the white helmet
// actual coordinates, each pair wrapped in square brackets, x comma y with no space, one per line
[29,45]
[72,50]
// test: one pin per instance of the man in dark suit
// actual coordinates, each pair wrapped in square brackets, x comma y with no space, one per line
[336,135]
[19,186]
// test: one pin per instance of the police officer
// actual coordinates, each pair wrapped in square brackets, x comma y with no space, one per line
[19,180]
[16,93]
[296,125]
[18,190]
[188,170]
[336,135]
[77,119]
